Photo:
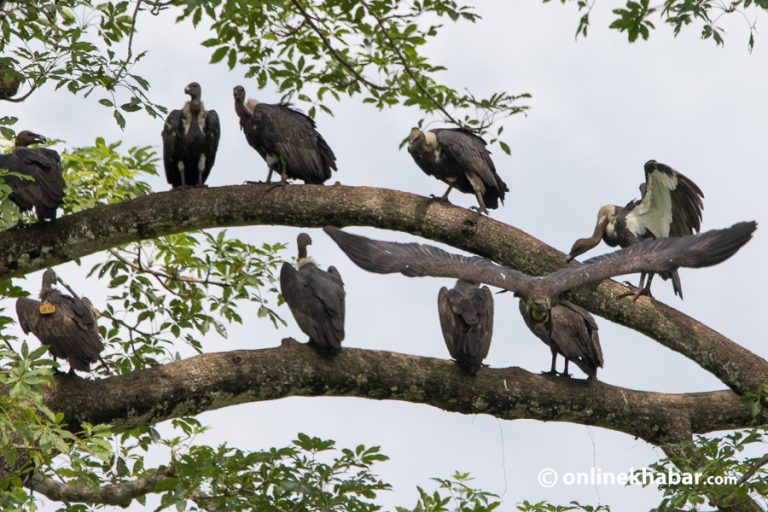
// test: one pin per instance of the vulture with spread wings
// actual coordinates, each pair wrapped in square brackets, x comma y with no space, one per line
[541,295]
[466,319]
[316,299]
[67,326]
[45,190]
[670,206]
[286,139]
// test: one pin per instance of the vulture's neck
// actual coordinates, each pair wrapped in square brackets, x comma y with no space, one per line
[242,111]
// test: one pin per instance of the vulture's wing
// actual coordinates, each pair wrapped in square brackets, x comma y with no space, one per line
[662,255]
[578,328]
[670,206]
[212,136]
[173,134]
[468,150]
[45,166]
[316,299]
[449,323]
[418,260]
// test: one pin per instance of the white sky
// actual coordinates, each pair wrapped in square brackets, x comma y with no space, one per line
[601,108]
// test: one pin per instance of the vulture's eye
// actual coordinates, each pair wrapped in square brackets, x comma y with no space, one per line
[538,315]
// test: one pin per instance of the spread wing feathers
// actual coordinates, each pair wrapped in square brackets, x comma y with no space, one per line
[575,332]
[670,206]
[291,135]
[212,136]
[45,190]
[316,300]
[468,151]
[173,135]
[70,332]
[466,319]
[418,260]
[662,255]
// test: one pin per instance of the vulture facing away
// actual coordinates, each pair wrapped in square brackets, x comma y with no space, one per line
[466,318]
[66,325]
[315,298]
[190,140]
[45,191]
[541,295]
[670,206]
[459,158]
[286,139]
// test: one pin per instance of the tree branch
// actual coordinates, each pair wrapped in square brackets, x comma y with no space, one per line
[38,246]
[212,381]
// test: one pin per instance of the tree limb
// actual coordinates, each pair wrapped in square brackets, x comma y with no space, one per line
[212,381]
[38,246]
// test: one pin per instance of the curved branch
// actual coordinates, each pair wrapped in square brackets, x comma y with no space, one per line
[212,381]
[38,246]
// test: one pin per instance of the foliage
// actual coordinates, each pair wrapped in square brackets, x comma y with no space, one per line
[574,506]
[454,494]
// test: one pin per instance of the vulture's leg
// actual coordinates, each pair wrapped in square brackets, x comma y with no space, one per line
[565,370]
[552,370]
[269,176]
[444,197]
[642,287]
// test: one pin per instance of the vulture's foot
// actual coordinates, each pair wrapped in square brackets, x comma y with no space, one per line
[287,342]
[552,373]
[442,199]
[635,293]
[480,210]
[256,182]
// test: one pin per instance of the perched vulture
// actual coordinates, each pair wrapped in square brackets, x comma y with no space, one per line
[286,139]
[670,205]
[66,325]
[466,318]
[541,295]
[315,298]
[190,140]
[459,158]
[45,191]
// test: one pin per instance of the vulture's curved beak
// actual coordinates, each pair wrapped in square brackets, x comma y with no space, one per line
[38,139]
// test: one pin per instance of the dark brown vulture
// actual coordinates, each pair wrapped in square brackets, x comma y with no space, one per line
[190,140]
[459,158]
[466,318]
[286,139]
[540,295]
[670,205]
[65,325]
[45,191]
[315,298]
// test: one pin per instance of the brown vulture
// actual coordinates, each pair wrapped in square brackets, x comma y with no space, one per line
[459,158]
[315,298]
[466,318]
[45,191]
[286,139]
[541,295]
[670,205]
[67,326]
[190,140]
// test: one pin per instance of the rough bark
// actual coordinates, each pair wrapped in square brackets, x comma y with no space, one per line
[37,246]
[212,381]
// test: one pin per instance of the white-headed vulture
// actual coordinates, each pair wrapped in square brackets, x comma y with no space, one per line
[466,319]
[541,295]
[286,139]
[315,298]
[670,205]
[45,191]
[67,326]
[190,140]
[459,158]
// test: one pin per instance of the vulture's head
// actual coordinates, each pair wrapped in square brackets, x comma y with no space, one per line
[605,215]
[49,279]
[302,241]
[193,90]
[239,93]
[537,310]
[26,138]
[422,142]
[650,165]
[416,139]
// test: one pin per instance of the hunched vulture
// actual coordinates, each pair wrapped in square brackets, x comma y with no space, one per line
[286,139]
[670,206]
[66,325]
[466,319]
[45,191]
[190,140]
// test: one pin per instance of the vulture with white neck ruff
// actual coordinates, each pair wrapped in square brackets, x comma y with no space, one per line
[315,298]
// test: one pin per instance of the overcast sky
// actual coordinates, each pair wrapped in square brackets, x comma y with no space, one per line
[600,108]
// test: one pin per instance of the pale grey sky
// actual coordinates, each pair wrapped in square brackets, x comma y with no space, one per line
[601,108]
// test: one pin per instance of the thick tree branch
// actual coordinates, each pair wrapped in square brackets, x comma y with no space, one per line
[212,381]
[120,494]
[37,246]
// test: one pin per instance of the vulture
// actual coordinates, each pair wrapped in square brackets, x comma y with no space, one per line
[466,318]
[315,298]
[67,326]
[670,206]
[190,140]
[541,295]
[45,191]
[286,139]
[458,157]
